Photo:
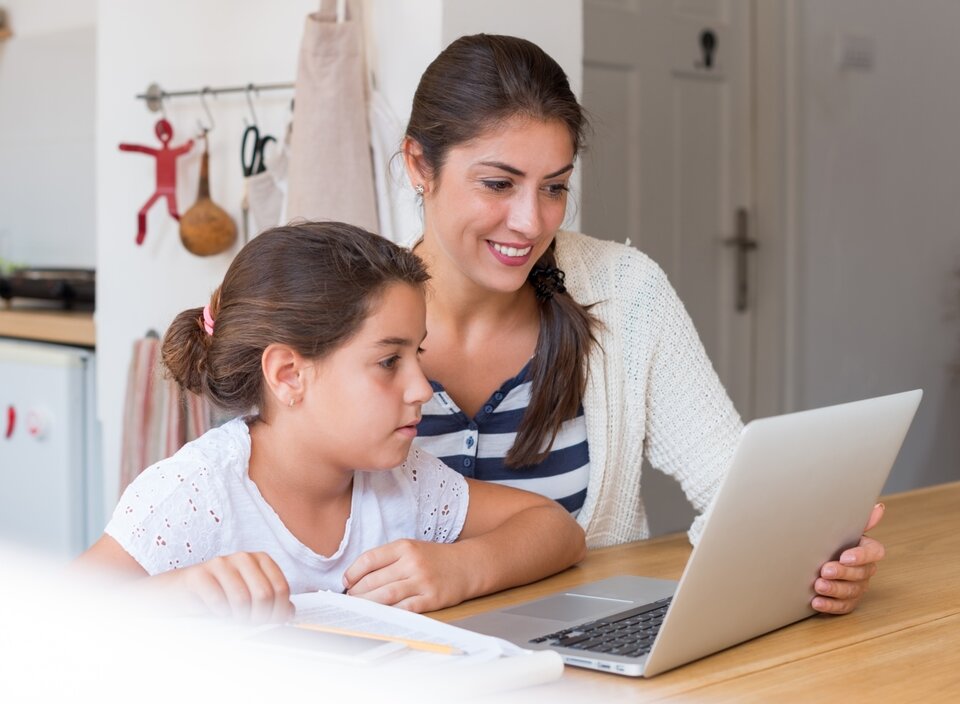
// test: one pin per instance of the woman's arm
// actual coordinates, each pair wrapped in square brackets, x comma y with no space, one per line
[693,430]
[510,537]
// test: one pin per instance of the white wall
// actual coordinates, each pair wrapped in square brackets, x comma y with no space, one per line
[879,220]
[555,25]
[409,34]
[182,45]
[47,96]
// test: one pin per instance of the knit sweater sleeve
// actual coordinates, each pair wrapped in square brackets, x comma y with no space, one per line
[692,428]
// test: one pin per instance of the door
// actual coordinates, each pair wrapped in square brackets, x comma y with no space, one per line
[667,86]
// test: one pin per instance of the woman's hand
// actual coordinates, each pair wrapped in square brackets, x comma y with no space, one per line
[245,585]
[842,583]
[412,574]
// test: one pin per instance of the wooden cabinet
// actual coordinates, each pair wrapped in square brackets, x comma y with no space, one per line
[48,325]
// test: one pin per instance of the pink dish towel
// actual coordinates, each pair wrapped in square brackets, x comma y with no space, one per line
[159,417]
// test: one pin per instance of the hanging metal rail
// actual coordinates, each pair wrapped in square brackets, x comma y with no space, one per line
[155,95]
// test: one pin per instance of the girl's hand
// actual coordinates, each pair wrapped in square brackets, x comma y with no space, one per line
[412,574]
[843,582]
[245,585]
[509,537]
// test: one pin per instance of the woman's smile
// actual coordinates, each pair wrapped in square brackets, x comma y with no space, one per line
[511,255]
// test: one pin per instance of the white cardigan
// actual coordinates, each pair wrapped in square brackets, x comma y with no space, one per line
[651,390]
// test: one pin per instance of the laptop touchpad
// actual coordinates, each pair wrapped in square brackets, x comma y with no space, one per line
[570,607]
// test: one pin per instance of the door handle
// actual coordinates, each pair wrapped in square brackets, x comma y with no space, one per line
[743,244]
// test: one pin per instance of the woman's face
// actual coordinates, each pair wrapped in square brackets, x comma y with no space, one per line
[498,201]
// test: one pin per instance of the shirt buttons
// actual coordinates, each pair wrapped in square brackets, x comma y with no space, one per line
[470,442]
[467,461]
[472,425]
[488,408]
[498,396]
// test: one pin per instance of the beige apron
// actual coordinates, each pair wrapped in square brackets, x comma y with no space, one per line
[330,174]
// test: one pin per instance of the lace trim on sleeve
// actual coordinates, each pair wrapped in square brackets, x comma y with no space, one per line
[170,516]
[442,497]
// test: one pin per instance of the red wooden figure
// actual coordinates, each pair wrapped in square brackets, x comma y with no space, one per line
[166,173]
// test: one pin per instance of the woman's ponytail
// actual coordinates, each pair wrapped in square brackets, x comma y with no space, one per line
[559,370]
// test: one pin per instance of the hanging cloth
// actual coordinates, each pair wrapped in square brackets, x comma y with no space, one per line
[330,172]
[267,192]
[158,416]
[397,204]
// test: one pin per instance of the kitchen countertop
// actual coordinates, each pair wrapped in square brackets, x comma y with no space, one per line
[44,323]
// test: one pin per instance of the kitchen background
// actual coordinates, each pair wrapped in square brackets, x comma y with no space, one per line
[869,198]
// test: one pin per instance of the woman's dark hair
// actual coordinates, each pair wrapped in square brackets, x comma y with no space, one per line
[308,285]
[479,82]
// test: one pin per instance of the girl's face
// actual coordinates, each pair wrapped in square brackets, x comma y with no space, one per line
[498,202]
[362,403]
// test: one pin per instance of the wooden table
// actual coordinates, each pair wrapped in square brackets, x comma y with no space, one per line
[901,644]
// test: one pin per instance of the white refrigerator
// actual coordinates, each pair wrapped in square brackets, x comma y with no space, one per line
[50,479]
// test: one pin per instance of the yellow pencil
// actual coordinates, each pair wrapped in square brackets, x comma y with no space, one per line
[412,644]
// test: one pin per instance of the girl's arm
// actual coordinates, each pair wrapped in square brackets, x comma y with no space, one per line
[107,554]
[244,585]
[510,537]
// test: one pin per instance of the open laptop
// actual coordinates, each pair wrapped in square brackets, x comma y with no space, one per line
[798,492]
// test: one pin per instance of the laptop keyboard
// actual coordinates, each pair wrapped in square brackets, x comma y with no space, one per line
[630,633]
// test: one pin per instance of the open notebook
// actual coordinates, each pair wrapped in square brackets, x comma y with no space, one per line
[73,634]
[355,633]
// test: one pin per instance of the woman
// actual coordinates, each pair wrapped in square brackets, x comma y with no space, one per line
[578,346]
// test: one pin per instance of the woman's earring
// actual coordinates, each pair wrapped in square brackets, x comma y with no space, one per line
[292,401]
[419,189]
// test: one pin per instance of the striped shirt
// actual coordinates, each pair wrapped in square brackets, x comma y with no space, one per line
[476,447]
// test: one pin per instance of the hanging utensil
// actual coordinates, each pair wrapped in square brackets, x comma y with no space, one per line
[206,228]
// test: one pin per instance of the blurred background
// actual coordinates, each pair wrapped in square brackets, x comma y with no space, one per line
[791,164]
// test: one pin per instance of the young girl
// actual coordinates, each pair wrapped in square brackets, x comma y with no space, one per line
[315,332]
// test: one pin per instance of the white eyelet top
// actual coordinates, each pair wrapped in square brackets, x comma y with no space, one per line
[201,503]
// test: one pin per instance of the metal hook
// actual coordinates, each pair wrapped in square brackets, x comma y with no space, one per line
[253,113]
[206,109]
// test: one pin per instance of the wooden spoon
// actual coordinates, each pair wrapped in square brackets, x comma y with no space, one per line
[206,228]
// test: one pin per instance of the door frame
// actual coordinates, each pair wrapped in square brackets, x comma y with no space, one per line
[776,172]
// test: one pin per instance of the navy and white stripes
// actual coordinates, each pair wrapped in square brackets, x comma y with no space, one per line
[476,447]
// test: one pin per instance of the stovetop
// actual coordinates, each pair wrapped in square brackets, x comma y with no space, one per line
[70,287]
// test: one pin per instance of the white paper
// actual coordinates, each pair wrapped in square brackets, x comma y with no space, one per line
[487,664]
[352,613]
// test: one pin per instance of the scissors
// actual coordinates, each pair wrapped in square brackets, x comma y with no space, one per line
[254,164]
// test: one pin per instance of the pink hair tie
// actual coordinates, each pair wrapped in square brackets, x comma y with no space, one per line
[207,320]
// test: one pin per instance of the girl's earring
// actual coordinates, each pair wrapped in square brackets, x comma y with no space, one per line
[292,401]
[420,189]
